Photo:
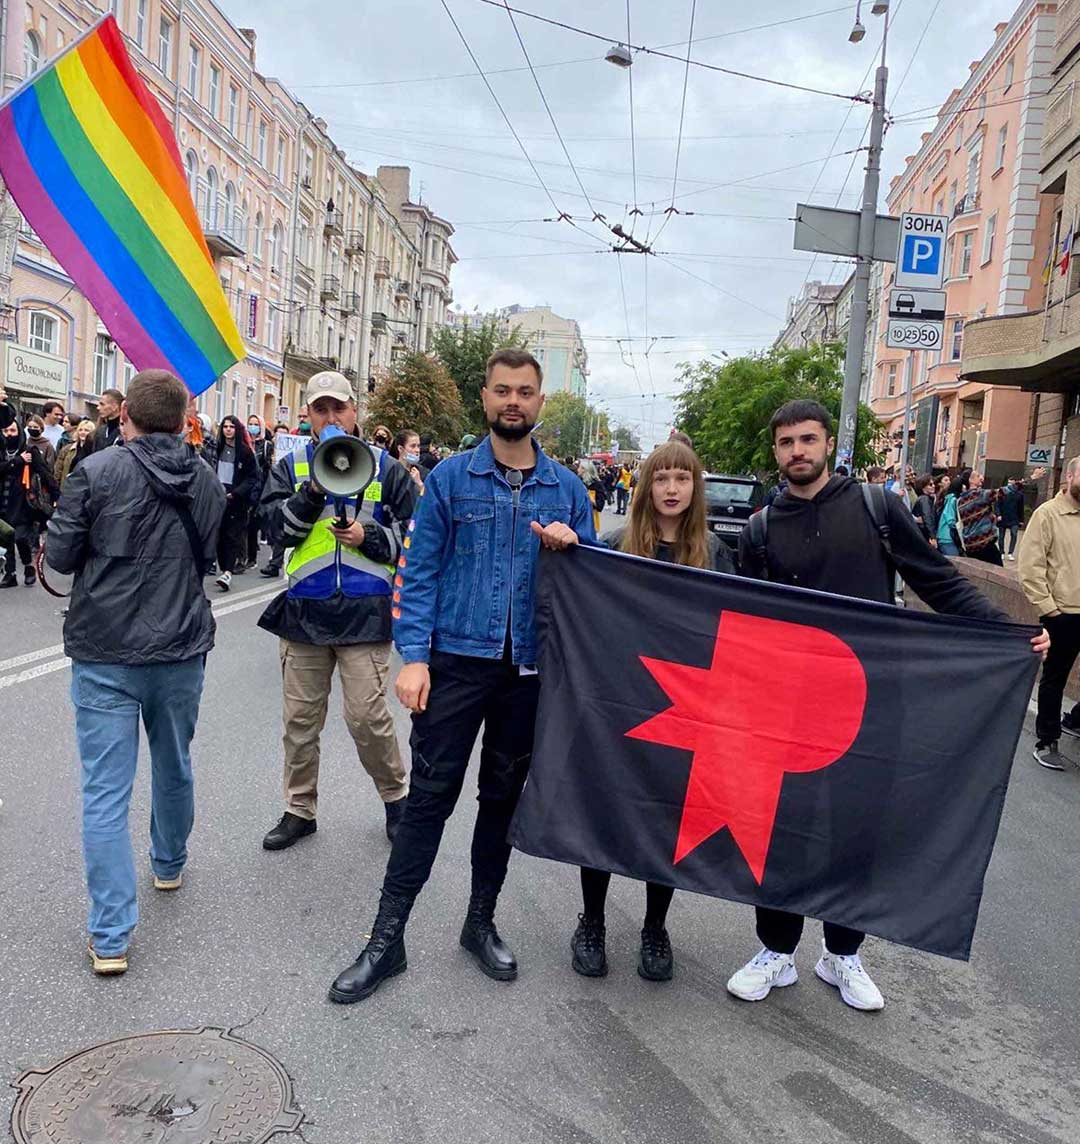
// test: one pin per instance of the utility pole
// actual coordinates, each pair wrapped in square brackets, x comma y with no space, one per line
[860,301]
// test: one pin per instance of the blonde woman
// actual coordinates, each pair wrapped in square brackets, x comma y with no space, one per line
[70,455]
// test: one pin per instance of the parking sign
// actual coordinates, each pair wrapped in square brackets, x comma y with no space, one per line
[920,253]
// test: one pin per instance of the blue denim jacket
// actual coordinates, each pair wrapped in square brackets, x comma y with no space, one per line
[467,550]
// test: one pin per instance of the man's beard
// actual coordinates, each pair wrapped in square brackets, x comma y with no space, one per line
[517,432]
[806,478]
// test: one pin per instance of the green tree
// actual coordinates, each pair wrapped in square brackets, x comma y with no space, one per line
[627,437]
[464,351]
[725,407]
[418,393]
[565,425]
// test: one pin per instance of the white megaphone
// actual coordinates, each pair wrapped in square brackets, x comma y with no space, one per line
[343,466]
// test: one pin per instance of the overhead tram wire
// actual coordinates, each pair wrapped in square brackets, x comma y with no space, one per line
[634,213]
[502,111]
[626,316]
[672,209]
[679,59]
[719,289]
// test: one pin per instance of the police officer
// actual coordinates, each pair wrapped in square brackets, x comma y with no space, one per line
[335,613]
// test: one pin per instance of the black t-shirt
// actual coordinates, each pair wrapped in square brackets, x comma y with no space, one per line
[508,641]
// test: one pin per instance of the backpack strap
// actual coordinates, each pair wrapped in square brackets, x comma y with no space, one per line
[874,500]
[757,529]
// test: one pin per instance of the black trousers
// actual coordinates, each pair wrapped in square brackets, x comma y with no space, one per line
[1064,648]
[621,497]
[231,538]
[466,693]
[1013,531]
[24,546]
[594,888]
[780,932]
[251,551]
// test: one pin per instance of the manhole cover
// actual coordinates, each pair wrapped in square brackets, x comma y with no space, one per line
[199,1086]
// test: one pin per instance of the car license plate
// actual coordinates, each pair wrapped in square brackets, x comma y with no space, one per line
[722,526]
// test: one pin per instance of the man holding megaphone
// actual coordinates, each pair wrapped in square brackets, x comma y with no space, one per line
[341,507]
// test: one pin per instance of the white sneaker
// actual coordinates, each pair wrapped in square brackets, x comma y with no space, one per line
[1011,557]
[759,976]
[224,580]
[847,974]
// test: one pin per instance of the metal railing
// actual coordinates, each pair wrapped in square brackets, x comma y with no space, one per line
[331,286]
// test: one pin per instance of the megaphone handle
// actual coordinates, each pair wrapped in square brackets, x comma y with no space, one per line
[339,505]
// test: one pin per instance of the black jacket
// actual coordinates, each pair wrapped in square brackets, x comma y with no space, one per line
[830,543]
[107,433]
[926,514]
[14,505]
[719,554]
[340,620]
[138,595]
[1011,505]
[245,478]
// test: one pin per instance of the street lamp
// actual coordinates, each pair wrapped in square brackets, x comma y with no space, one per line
[880,8]
[619,55]
[858,32]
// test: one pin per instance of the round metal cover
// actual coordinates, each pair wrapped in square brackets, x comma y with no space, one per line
[198,1086]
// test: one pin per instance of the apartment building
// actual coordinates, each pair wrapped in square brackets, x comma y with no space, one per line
[979,164]
[811,317]
[1038,350]
[557,344]
[308,250]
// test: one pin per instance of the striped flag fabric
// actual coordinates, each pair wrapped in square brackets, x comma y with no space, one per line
[92,163]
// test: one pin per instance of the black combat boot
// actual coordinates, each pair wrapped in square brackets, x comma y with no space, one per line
[480,937]
[590,956]
[382,957]
[655,961]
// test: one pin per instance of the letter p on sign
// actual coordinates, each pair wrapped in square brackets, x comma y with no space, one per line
[922,255]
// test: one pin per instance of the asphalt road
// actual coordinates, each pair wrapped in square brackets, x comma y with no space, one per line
[984,1052]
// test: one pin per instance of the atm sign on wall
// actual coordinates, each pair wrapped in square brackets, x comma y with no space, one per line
[920,253]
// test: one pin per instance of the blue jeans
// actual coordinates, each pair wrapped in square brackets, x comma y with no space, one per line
[108,700]
[947,548]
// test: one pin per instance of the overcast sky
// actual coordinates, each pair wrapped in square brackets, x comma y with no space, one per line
[749,151]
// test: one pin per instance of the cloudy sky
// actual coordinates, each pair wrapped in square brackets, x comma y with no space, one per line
[396,85]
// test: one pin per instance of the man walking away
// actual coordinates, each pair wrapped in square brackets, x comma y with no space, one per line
[136,527]
[466,631]
[335,613]
[1011,508]
[108,430]
[820,534]
[1049,568]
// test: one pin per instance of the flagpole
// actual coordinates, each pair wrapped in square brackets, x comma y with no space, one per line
[32,79]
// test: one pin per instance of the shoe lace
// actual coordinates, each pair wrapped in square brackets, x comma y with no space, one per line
[590,935]
[766,957]
[655,942]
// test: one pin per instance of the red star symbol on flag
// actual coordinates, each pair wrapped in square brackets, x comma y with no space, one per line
[779,697]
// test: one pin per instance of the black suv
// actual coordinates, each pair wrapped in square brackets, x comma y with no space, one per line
[729,504]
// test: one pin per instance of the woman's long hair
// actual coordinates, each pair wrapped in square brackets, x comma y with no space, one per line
[242,440]
[642,534]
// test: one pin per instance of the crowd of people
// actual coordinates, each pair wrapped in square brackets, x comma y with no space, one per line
[437,555]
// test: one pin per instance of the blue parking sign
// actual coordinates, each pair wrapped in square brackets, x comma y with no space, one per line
[920,257]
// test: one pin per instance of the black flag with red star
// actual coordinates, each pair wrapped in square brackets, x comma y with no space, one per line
[836,758]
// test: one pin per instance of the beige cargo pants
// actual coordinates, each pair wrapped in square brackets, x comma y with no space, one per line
[306,674]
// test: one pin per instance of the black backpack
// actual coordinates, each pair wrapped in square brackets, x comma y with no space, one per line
[873,500]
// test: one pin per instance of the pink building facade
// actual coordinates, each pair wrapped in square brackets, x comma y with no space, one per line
[980,166]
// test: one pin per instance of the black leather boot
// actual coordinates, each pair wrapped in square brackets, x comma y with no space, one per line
[395,811]
[382,957]
[289,831]
[480,937]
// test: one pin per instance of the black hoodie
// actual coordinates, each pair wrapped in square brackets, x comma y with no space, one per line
[830,543]
[138,594]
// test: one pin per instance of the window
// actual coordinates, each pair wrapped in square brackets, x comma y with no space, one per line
[210,214]
[1010,73]
[262,142]
[164,51]
[129,373]
[104,363]
[277,243]
[988,238]
[982,107]
[967,242]
[946,420]
[890,380]
[957,339]
[215,90]
[234,108]
[958,142]
[309,163]
[231,218]
[1002,143]
[44,333]
[950,248]
[973,172]
[219,395]
[194,69]
[953,191]
[259,229]
[191,167]
[273,334]
[140,23]
[280,171]
[939,206]
[31,53]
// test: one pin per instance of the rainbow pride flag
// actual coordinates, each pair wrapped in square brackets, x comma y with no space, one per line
[93,164]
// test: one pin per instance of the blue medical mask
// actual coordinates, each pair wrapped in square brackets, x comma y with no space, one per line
[412,458]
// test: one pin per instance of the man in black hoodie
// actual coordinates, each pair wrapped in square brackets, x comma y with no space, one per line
[136,526]
[819,534]
[108,430]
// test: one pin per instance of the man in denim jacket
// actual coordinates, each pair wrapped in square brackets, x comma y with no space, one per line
[464,626]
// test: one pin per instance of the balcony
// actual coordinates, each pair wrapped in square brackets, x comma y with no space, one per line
[225,229]
[331,287]
[328,362]
[354,243]
[351,302]
[968,204]
[304,269]
[403,289]
[1068,31]
[334,223]
[378,322]
[382,267]
[1025,350]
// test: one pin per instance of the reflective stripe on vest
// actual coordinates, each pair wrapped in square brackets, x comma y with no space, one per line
[321,549]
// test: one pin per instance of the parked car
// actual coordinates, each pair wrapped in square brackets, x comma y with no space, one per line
[729,504]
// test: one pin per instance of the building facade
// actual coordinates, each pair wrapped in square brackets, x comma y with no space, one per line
[980,166]
[317,267]
[811,317]
[1038,350]
[557,344]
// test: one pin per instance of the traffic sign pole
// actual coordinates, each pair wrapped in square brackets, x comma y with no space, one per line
[909,385]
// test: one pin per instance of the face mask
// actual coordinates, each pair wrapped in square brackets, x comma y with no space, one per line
[255,430]
[34,432]
[412,458]
[305,426]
